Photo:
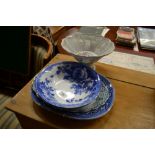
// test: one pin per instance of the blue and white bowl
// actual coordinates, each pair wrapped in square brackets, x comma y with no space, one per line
[67,85]
[101,106]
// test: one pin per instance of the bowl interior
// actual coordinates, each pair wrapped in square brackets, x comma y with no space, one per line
[68,84]
[87,45]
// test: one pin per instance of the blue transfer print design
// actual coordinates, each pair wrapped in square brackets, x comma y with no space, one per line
[82,79]
[104,103]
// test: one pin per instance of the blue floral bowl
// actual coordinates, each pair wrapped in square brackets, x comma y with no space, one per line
[67,85]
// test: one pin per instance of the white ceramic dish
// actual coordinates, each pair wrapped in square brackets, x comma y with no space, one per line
[102,104]
[67,85]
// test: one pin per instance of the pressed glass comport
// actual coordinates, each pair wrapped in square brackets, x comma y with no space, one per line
[87,49]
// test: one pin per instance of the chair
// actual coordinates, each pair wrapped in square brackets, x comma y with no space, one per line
[45,32]
[41,53]
[23,54]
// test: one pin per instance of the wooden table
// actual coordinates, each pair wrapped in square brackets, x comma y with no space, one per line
[134,105]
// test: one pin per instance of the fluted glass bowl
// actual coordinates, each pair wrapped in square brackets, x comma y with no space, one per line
[87,49]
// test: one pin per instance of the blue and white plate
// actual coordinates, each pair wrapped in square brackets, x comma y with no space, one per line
[104,103]
[67,85]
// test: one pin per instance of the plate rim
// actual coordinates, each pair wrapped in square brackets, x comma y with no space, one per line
[72,115]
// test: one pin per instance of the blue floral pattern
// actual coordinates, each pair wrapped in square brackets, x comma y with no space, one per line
[104,103]
[81,78]
[84,82]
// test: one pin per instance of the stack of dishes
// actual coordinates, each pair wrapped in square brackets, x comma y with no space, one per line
[73,90]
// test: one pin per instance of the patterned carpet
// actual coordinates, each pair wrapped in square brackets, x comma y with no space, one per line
[8,119]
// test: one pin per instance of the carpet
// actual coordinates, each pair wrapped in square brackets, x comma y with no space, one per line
[8,120]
